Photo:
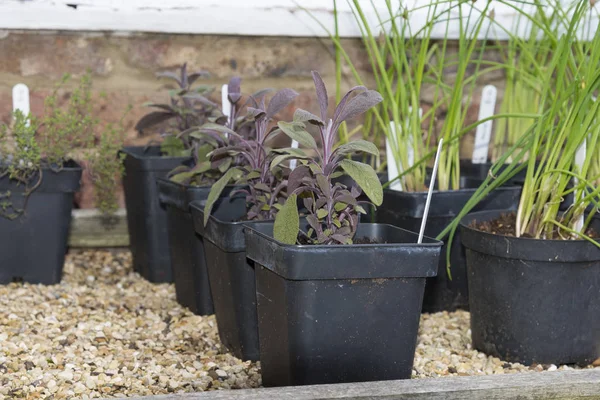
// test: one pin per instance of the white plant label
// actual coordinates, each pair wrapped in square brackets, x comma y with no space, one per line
[393,170]
[293,162]
[392,167]
[483,134]
[20,95]
[225,104]
[579,161]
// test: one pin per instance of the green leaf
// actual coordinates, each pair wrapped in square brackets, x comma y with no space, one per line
[287,222]
[182,176]
[366,178]
[279,159]
[203,151]
[297,132]
[322,213]
[323,183]
[339,206]
[225,164]
[262,187]
[358,145]
[216,190]
[172,146]
[252,175]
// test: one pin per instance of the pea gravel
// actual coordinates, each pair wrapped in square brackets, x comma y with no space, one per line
[106,332]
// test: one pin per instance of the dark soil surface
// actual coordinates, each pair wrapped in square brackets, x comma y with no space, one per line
[362,240]
[505,226]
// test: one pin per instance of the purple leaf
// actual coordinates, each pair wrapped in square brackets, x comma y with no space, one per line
[339,238]
[170,75]
[152,119]
[301,115]
[193,77]
[200,99]
[342,104]
[296,176]
[254,113]
[321,94]
[358,105]
[234,91]
[280,101]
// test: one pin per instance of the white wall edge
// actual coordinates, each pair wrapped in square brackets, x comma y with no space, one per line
[225,17]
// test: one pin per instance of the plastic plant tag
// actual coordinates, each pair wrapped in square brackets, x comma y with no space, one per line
[430,191]
[392,167]
[20,95]
[293,162]
[226,105]
[484,131]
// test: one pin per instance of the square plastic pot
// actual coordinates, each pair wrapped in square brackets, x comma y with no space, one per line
[186,247]
[533,301]
[33,246]
[405,210]
[345,313]
[231,274]
[146,216]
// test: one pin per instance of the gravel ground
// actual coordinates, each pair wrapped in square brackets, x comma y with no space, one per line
[106,332]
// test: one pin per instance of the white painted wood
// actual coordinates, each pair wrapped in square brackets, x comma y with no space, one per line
[483,134]
[231,17]
[20,97]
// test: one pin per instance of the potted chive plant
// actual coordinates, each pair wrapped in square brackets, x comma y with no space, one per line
[338,300]
[220,220]
[534,274]
[192,182]
[410,69]
[188,108]
[38,180]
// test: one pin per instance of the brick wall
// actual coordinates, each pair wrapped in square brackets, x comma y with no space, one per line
[124,68]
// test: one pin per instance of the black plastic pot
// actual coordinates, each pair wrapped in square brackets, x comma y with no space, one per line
[186,247]
[481,172]
[146,216]
[533,301]
[405,210]
[332,314]
[33,246]
[231,275]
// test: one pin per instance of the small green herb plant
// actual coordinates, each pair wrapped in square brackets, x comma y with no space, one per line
[332,208]
[31,148]
[189,108]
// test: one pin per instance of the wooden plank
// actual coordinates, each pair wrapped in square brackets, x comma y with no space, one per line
[89,228]
[564,385]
